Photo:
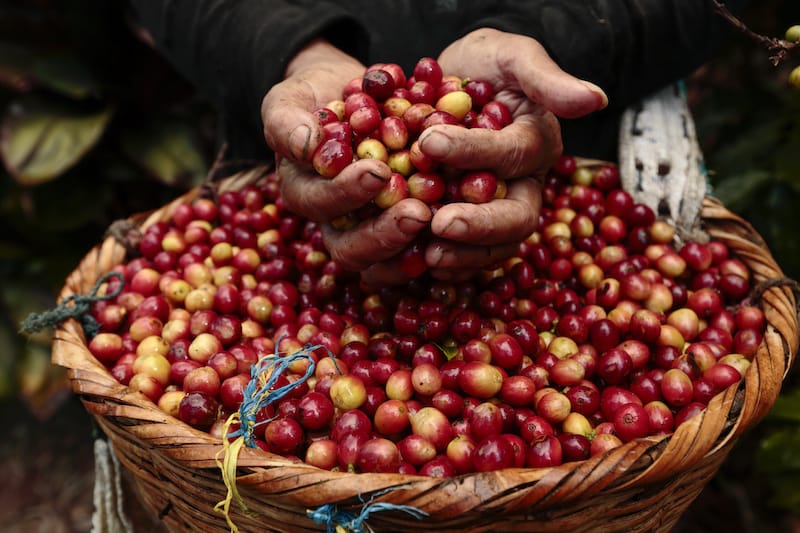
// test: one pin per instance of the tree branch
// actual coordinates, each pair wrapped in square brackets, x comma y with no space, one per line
[779,48]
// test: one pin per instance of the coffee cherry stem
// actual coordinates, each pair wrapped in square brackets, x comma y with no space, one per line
[779,48]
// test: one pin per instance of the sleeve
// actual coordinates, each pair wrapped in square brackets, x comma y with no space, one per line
[630,48]
[233,51]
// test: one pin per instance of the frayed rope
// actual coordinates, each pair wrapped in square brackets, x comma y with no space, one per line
[257,394]
[338,521]
[78,306]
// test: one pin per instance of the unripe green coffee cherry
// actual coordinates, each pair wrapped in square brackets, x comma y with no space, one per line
[794,77]
[793,33]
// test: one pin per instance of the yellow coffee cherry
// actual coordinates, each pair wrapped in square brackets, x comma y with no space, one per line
[793,33]
[794,77]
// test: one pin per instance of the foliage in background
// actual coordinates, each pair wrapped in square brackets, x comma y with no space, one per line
[748,119]
[95,126]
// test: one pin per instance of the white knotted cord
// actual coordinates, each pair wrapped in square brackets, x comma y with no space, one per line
[660,161]
[109,509]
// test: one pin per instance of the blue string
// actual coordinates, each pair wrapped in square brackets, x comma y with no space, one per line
[258,396]
[333,518]
[330,515]
[78,306]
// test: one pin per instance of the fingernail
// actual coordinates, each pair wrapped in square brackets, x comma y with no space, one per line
[602,99]
[299,140]
[434,255]
[379,177]
[456,229]
[371,181]
[440,256]
[411,226]
[435,144]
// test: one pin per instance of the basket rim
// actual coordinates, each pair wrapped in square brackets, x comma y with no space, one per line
[640,461]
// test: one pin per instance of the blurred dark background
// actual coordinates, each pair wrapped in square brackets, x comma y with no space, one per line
[95,126]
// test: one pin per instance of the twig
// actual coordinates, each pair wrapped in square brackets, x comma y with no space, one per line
[218,162]
[207,187]
[778,48]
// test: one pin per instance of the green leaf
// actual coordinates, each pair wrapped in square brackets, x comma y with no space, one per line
[23,68]
[779,451]
[167,150]
[785,158]
[67,75]
[785,493]
[747,150]
[773,213]
[40,139]
[777,461]
[449,349]
[786,406]
[736,191]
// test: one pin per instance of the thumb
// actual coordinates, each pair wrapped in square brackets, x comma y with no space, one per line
[543,81]
[290,128]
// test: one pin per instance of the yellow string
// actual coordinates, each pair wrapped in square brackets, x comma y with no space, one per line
[261,396]
[228,468]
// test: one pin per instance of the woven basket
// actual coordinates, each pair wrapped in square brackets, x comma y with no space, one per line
[644,485]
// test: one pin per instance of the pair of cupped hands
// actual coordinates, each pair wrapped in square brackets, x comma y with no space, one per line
[465,237]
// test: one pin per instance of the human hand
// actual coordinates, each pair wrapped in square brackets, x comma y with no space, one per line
[531,85]
[315,77]
[536,90]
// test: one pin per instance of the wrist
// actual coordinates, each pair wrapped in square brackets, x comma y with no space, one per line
[320,53]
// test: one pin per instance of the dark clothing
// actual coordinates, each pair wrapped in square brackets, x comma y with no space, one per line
[235,50]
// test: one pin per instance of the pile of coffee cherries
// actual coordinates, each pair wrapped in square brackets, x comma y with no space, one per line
[382,115]
[599,331]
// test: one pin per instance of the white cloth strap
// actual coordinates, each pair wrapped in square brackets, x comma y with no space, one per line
[660,161]
[109,510]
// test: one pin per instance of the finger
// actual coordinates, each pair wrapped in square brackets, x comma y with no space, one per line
[527,146]
[389,273]
[290,128]
[511,219]
[542,80]
[509,60]
[321,199]
[454,275]
[380,238]
[447,255]
[383,274]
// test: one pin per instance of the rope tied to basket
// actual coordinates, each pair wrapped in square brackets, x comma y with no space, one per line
[339,521]
[660,160]
[77,306]
[758,291]
[127,234]
[258,393]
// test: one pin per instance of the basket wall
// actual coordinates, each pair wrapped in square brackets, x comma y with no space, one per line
[645,485]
